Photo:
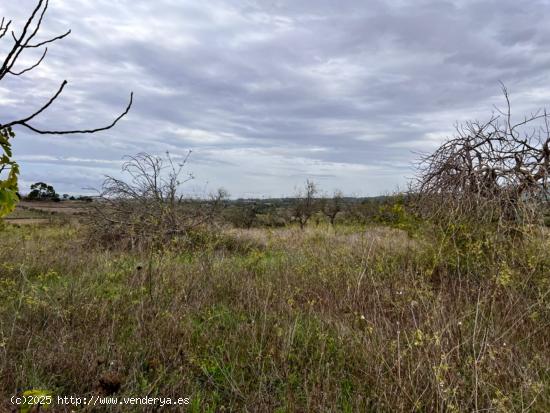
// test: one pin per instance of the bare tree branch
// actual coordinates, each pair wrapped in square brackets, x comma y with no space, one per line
[4,29]
[39,111]
[68,132]
[30,67]
[23,42]
[498,168]
[53,39]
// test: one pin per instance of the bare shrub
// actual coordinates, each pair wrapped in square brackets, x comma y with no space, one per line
[493,172]
[149,208]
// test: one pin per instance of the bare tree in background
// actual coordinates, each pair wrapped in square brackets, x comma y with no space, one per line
[492,171]
[331,207]
[305,204]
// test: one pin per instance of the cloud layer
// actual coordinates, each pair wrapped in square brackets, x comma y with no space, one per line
[269,93]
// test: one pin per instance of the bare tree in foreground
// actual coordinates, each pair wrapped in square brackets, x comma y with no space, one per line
[25,41]
[149,208]
[491,171]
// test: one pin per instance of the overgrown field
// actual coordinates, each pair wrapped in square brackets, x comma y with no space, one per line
[351,318]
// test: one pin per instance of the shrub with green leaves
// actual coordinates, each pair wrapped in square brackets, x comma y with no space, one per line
[9,173]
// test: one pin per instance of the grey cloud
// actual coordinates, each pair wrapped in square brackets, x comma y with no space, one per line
[278,91]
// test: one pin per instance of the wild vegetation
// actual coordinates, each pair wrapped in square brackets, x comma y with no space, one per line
[434,300]
[494,172]
[366,305]
[343,318]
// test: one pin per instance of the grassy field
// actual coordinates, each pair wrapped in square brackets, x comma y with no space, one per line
[344,319]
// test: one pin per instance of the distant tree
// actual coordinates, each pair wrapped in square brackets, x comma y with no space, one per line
[41,191]
[332,206]
[23,42]
[65,196]
[305,204]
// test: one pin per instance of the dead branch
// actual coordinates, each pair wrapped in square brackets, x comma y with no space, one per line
[148,206]
[496,169]
[24,41]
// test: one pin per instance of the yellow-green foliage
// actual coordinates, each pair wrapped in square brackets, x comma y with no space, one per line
[8,184]
[36,398]
[325,319]
[397,215]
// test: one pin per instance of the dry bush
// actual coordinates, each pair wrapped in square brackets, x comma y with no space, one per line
[149,209]
[494,171]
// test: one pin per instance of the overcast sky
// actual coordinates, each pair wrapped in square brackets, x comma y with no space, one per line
[269,93]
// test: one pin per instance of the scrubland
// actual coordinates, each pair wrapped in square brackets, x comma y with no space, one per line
[343,319]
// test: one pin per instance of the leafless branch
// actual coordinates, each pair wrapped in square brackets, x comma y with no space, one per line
[4,28]
[24,41]
[53,39]
[495,169]
[28,69]
[67,132]
[148,207]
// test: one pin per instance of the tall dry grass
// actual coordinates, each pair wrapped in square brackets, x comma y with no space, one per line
[345,319]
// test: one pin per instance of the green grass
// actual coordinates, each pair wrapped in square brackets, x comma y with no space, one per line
[337,320]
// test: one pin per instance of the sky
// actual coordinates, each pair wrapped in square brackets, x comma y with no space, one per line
[267,94]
